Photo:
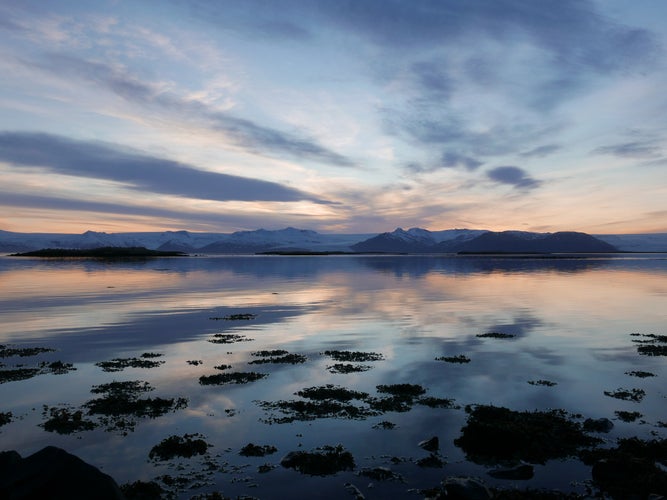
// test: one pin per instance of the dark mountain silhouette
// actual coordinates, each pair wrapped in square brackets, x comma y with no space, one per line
[488,242]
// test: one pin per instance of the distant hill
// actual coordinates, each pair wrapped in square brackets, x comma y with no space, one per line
[485,242]
[413,240]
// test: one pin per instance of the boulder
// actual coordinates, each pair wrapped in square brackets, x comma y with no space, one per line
[431,444]
[466,488]
[54,474]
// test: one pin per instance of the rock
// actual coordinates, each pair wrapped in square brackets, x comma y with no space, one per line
[54,474]
[598,425]
[466,488]
[432,444]
[432,460]
[520,472]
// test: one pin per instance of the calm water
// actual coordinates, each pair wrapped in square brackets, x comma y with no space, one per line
[572,320]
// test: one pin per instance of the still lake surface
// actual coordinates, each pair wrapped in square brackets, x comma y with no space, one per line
[571,319]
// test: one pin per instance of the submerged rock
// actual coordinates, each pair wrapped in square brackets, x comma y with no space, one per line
[54,474]
[497,434]
[431,444]
[598,425]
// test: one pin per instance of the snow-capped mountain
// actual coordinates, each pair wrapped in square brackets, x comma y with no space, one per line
[413,240]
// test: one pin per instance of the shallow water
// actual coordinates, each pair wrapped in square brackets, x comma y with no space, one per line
[571,319]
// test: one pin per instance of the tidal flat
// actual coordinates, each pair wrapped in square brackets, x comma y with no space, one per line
[340,376]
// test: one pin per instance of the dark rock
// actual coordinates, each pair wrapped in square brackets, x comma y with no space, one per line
[54,474]
[432,460]
[8,458]
[520,472]
[466,488]
[432,444]
[598,425]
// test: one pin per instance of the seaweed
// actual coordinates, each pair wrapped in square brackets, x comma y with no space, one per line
[266,354]
[432,402]
[121,402]
[631,469]
[385,424]
[324,461]
[652,345]
[142,490]
[231,378]
[16,374]
[635,395]
[348,368]
[5,417]
[66,421]
[546,383]
[299,410]
[494,434]
[119,364]
[640,374]
[628,416]
[357,356]
[292,359]
[228,338]
[454,359]
[330,391]
[402,390]
[22,352]
[185,446]
[253,450]
[495,335]
[235,317]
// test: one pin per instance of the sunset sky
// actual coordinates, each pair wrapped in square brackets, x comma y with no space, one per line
[349,116]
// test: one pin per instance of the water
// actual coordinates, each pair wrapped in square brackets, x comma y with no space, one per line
[571,319]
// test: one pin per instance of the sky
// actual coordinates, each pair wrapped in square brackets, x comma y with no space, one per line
[348,116]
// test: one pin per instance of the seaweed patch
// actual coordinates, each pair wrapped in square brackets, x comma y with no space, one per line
[277,356]
[323,461]
[346,368]
[231,378]
[635,395]
[185,446]
[119,364]
[454,359]
[494,434]
[228,338]
[356,356]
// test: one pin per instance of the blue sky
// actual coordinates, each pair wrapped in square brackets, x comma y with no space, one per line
[339,116]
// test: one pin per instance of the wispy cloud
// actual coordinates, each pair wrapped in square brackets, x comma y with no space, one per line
[637,149]
[541,151]
[141,172]
[246,133]
[514,176]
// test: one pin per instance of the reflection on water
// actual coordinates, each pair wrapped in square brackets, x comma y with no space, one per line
[570,318]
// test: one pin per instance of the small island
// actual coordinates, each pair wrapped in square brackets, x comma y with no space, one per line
[99,253]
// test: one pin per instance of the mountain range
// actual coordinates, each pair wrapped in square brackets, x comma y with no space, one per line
[414,240]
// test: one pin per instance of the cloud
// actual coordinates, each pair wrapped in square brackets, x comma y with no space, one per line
[142,172]
[450,159]
[253,137]
[540,151]
[638,149]
[196,221]
[514,176]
